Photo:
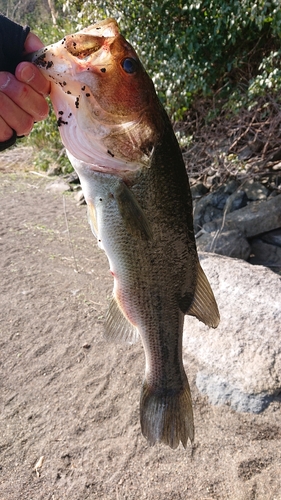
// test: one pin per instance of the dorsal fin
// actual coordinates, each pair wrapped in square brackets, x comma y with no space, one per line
[204,306]
[117,327]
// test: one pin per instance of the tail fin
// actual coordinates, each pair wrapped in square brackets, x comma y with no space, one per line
[167,416]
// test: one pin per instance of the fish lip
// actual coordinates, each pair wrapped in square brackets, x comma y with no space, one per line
[34,56]
[39,58]
[48,61]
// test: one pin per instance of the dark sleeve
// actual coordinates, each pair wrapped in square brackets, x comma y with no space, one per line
[12,38]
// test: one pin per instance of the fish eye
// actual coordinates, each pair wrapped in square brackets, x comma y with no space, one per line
[129,65]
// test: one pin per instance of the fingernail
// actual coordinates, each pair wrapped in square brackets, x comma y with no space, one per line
[27,73]
[4,80]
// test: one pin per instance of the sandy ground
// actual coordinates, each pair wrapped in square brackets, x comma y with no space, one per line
[71,398]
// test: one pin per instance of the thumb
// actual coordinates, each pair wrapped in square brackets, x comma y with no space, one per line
[32,43]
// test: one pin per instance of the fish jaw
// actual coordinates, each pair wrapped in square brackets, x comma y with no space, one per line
[114,118]
[74,54]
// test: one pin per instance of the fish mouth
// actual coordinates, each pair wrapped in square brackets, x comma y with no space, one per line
[81,45]
[78,45]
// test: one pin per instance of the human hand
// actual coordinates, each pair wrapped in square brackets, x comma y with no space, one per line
[22,96]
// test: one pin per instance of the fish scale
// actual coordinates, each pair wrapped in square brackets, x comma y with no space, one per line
[122,145]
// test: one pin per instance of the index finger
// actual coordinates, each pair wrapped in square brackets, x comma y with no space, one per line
[32,43]
[27,72]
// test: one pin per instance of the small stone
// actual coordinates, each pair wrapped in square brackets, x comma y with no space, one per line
[231,186]
[200,207]
[54,170]
[86,346]
[245,154]
[219,199]
[236,200]
[198,190]
[72,178]
[255,190]
[82,202]
[79,196]
[272,194]
[212,180]
[58,187]
[212,213]
[205,212]
[277,166]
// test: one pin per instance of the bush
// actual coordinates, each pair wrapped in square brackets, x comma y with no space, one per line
[219,49]
[200,48]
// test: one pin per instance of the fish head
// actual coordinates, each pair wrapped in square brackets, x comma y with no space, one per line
[104,100]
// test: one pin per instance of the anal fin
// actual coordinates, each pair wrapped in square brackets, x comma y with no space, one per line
[117,327]
[204,306]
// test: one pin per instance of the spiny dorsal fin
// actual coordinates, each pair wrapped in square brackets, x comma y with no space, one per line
[133,216]
[204,306]
[117,327]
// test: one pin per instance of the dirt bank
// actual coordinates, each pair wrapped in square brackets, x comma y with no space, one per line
[71,398]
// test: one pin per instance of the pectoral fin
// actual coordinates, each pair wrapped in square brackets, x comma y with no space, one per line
[92,218]
[133,216]
[204,306]
[117,327]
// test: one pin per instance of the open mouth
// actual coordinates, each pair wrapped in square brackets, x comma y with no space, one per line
[82,46]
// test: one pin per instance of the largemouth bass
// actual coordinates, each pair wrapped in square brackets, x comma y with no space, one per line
[121,143]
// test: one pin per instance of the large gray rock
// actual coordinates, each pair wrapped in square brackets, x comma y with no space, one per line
[272,237]
[265,254]
[239,363]
[229,243]
[256,218]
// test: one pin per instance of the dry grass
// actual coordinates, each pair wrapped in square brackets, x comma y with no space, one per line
[246,145]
